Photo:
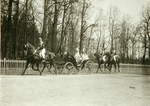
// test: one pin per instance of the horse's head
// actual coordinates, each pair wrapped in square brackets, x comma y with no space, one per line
[97,55]
[100,57]
[29,48]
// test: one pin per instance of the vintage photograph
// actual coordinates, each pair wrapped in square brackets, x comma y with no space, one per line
[75,53]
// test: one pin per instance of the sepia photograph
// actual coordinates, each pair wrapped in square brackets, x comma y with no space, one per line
[75,53]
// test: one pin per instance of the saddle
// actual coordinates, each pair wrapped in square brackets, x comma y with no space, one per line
[104,58]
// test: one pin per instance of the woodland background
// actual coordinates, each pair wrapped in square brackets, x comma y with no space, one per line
[65,25]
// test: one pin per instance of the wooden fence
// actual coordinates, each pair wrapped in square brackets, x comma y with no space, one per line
[16,67]
[11,66]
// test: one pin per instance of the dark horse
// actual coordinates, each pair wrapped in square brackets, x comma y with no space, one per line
[113,59]
[101,60]
[108,59]
[33,58]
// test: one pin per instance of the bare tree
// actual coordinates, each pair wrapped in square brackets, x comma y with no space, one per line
[134,40]
[124,38]
[85,6]
[113,15]
[146,28]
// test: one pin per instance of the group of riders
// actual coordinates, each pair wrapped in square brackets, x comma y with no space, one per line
[79,57]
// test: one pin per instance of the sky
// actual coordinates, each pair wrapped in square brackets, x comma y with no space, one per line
[126,7]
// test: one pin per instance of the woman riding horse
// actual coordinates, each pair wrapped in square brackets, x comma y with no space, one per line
[33,57]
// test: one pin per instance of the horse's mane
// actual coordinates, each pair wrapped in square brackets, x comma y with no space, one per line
[31,46]
[98,55]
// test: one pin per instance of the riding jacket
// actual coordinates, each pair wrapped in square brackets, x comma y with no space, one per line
[42,45]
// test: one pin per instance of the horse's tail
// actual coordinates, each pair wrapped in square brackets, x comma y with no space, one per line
[34,68]
[51,55]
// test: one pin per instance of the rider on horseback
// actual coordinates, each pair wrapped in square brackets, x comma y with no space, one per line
[42,49]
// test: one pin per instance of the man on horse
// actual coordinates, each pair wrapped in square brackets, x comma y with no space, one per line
[42,49]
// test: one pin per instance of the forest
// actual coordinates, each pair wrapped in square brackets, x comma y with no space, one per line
[65,25]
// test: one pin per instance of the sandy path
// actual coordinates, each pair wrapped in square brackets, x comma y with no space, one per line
[75,90]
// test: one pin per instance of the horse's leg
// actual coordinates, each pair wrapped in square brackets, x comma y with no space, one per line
[118,67]
[25,67]
[37,64]
[43,66]
[110,66]
[51,63]
[99,65]
[115,66]
[49,67]
[34,68]
[98,68]
[104,66]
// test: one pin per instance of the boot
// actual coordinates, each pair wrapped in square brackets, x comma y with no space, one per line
[43,60]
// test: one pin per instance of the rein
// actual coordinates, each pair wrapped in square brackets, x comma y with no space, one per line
[31,51]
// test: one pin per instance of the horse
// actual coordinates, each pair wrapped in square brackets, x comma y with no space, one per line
[34,58]
[101,60]
[113,60]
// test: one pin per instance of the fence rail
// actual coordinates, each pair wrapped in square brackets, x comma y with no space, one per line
[15,66]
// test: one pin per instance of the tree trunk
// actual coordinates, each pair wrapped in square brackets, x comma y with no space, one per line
[149,48]
[62,30]
[16,31]
[81,32]
[25,35]
[112,37]
[144,49]
[54,31]
[7,42]
[45,18]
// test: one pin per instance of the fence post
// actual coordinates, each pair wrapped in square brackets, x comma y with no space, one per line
[4,66]
[1,66]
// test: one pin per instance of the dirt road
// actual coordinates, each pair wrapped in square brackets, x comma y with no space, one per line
[75,90]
